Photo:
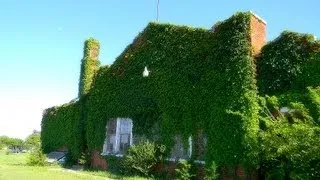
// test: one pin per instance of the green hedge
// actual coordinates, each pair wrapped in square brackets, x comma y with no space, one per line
[198,79]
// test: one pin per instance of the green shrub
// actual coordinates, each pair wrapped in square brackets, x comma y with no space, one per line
[289,143]
[141,158]
[84,159]
[183,170]
[212,172]
[115,164]
[36,158]
[32,141]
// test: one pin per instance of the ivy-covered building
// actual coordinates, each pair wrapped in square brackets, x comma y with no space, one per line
[195,90]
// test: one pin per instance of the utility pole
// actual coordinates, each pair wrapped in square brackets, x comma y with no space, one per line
[158,2]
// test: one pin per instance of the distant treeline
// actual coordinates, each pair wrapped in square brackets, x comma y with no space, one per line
[31,141]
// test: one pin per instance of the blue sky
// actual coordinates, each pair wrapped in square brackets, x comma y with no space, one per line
[41,42]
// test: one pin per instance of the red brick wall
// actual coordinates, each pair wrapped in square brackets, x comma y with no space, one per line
[238,173]
[97,161]
[201,172]
[258,34]
[168,169]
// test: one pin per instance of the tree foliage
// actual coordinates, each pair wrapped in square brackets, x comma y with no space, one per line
[6,141]
[288,68]
[290,142]
[142,158]
[36,157]
[182,172]
[292,61]
[32,141]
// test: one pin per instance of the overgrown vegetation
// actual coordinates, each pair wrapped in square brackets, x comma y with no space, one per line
[141,159]
[59,129]
[7,142]
[89,65]
[64,126]
[182,172]
[212,172]
[33,140]
[198,79]
[36,157]
[290,142]
[288,68]
[207,81]
[292,61]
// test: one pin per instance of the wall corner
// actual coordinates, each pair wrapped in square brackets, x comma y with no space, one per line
[258,28]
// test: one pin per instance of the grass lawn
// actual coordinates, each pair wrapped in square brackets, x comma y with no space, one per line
[13,167]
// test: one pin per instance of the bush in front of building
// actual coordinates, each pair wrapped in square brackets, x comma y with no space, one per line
[36,157]
[141,159]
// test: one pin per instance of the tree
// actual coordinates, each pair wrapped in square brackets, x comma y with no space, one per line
[33,140]
[289,142]
[6,141]
[36,157]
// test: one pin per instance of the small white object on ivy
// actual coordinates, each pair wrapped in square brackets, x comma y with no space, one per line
[146,72]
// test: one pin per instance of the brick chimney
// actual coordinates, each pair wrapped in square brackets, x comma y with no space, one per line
[258,33]
[89,65]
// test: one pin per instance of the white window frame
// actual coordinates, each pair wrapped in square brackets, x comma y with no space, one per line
[116,146]
[188,150]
